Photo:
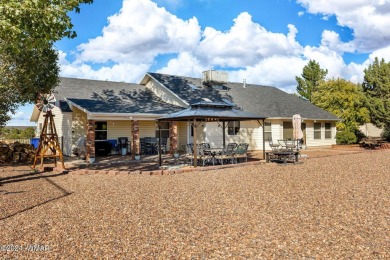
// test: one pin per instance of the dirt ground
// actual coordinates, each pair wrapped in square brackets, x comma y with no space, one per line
[335,204]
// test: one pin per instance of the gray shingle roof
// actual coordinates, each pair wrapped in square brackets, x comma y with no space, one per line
[267,101]
[111,97]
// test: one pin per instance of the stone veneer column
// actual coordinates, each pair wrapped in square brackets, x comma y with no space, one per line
[135,132]
[90,142]
[173,136]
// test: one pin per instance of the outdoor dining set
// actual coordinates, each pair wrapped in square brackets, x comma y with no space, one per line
[206,155]
[284,150]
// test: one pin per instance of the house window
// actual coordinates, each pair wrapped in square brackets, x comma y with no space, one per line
[267,131]
[328,130]
[233,127]
[164,127]
[317,130]
[100,131]
[288,131]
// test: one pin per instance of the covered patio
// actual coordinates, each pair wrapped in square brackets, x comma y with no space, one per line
[203,112]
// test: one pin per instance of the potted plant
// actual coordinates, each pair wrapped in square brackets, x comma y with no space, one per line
[123,147]
[175,153]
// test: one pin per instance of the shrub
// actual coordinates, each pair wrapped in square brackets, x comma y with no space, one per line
[346,136]
[386,133]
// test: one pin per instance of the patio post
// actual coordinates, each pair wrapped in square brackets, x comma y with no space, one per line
[135,131]
[159,144]
[195,146]
[90,143]
[173,137]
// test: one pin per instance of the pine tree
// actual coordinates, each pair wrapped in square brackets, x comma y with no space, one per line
[376,86]
[312,76]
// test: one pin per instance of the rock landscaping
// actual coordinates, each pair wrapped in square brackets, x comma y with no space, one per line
[334,206]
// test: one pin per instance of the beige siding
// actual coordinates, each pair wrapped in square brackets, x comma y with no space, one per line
[66,132]
[79,124]
[250,132]
[182,135]
[147,129]
[117,129]
[311,142]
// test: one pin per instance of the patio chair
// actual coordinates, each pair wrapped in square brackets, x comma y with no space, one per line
[206,148]
[241,152]
[190,153]
[205,157]
[274,146]
[291,145]
[163,142]
[227,153]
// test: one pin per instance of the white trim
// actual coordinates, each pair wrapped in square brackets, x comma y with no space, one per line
[35,114]
[170,91]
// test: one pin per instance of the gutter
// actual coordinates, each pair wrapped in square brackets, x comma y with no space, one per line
[92,115]
[304,118]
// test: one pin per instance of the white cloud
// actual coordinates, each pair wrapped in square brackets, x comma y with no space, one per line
[332,40]
[141,32]
[369,19]
[118,72]
[185,64]
[276,71]
[138,33]
[245,44]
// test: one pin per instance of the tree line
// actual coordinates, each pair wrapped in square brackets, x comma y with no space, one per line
[355,104]
[16,133]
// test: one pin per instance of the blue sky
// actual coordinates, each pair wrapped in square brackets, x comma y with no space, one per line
[265,42]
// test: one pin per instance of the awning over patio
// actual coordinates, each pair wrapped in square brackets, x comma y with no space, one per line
[213,112]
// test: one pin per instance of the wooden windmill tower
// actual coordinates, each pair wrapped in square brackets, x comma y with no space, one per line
[49,146]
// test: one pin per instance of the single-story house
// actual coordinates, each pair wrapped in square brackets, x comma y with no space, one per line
[104,110]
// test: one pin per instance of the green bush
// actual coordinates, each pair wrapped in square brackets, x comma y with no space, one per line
[346,136]
[386,133]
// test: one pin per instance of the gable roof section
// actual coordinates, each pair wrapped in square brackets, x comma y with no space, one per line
[111,97]
[270,102]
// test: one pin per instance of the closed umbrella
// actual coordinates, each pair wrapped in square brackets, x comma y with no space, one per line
[297,129]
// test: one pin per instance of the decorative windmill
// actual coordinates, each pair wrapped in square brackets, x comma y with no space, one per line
[49,146]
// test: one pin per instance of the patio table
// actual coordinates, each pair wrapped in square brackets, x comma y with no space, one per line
[283,155]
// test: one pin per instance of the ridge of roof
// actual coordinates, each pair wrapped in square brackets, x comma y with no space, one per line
[269,101]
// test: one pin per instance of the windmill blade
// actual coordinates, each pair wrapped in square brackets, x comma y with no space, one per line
[51,98]
[46,102]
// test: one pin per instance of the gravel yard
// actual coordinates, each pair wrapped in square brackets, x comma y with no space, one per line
[334,206]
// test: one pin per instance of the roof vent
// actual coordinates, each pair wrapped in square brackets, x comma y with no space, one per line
[193,87]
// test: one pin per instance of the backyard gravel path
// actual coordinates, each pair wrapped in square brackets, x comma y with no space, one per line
[330,207]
